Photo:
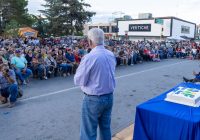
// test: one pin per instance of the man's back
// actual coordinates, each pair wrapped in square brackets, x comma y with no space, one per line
[99,72]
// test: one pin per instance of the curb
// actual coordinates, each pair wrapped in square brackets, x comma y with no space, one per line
[125,134]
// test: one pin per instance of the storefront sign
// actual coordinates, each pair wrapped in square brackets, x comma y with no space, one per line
[29,34]
[140,27]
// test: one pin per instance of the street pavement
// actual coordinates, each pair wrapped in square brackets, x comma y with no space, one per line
[50,110]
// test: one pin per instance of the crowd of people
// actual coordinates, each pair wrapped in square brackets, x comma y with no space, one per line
[21,58]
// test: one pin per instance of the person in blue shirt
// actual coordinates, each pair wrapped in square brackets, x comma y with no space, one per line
[70,56]
[71,60]
[96,76]
[19,63]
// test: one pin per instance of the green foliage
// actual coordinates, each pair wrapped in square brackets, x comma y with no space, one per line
[14,10]
[66,17]
[41,25]
[12,28]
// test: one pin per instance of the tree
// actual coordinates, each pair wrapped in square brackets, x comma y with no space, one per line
[41,25]
[12,28]
[14,10]
[66,17]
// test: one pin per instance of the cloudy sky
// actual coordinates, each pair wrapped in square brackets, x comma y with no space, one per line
[107,9]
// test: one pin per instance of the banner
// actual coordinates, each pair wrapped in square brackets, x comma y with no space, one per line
[28,32]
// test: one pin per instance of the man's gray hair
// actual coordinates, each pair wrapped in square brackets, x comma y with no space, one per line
[96,35]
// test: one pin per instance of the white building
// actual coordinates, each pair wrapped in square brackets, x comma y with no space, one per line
[110,29]
[198,32]
[147,29]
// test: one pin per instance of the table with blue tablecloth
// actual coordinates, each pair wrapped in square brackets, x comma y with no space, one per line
[158,119]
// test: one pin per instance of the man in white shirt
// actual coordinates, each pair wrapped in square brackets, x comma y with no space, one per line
[95,75]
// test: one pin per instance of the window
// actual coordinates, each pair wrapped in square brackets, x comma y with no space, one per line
[105,29]
[185,29]
[90,27]
[114,29]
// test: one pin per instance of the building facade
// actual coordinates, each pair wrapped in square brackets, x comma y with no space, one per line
[110,29]
[148,29]
[198,32]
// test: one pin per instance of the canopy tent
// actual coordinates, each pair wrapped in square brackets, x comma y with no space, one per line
[177,38]
[28,32]
[186,38]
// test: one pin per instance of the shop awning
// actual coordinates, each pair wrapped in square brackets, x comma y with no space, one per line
[178,38]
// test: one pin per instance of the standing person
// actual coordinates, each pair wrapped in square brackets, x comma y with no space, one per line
[95,75]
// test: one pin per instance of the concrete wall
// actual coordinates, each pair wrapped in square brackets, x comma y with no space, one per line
[177,25]
[155,28]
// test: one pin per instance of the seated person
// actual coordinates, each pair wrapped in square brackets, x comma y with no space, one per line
[8,86]
[62,63]
[2,58]
[135,55]
[77,55]
[50,64]
[20,66]
[147,54]
[123,57]
[196,79]
[116,53]
[39,66]
[71,60]
[29,58]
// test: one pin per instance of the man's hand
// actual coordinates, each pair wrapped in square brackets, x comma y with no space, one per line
[24,71]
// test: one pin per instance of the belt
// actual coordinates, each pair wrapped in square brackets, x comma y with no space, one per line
[98,95]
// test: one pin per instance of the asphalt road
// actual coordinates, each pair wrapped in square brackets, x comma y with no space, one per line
[50,110]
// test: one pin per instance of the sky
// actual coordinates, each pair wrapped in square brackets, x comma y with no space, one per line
[107,9]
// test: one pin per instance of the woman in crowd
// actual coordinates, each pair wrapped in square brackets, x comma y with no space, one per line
[29,58]
[62,63]
[39,66]
[50,64]
[116,53]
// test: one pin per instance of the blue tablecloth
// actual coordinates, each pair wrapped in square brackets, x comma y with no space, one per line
[157,119]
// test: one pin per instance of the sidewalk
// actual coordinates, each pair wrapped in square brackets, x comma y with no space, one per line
[126,134]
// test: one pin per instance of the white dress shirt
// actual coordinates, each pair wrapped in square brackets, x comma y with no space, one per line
[96,72]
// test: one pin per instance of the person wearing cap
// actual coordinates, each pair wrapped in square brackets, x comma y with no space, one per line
[20,66]
[96,76]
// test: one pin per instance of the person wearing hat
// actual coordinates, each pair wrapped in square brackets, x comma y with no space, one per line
[20,65]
